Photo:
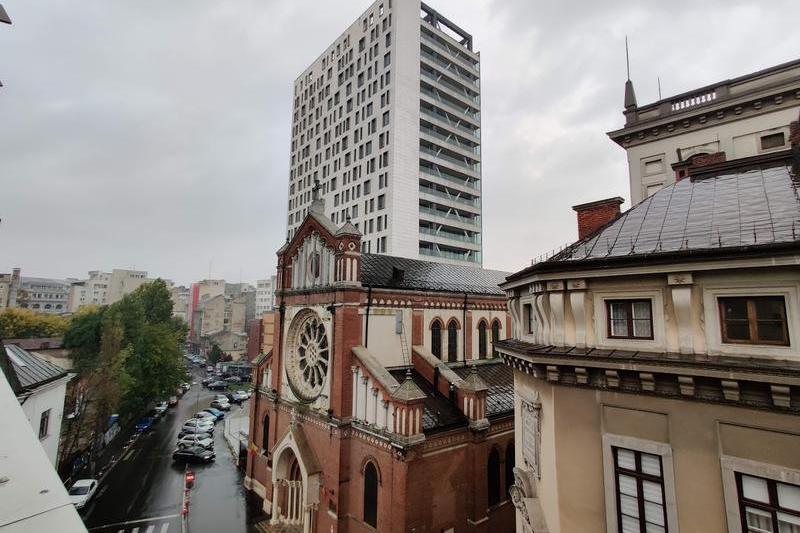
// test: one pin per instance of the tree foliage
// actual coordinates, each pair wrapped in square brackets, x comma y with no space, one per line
[16,323]
[147,345]
[216,354]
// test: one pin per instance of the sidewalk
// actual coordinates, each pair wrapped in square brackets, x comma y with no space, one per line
[236,428]
[108,456]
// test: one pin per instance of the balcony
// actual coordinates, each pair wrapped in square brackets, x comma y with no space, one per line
[430,70]
[453,143]
[472,223]
[450,105]
[452,68]
[447,235]
[448,180]
[467,257]
[446,49]
[462,163]
[445,118]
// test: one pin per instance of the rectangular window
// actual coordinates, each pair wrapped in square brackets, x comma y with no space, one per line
[773,140]
[639,484]
[629,319]
[529,317]
[754,320]
[44,424]
[766,505]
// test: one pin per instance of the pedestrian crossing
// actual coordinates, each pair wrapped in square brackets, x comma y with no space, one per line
[163,524]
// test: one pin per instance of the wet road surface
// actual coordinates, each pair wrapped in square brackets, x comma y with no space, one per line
[143,493]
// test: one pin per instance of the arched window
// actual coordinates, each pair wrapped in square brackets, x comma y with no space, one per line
[436,339]
[509,466]
[495,335]
[482,340]
[452,341]
[493,477]
[265,434]
[371,495]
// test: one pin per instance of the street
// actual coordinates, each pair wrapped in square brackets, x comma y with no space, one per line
[143,493]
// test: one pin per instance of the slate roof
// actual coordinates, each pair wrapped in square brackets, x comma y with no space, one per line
[746,207]
[438,414]
[31,371]
[378,271]
[500,379]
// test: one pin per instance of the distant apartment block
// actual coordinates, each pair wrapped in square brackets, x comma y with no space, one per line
[732,119]
[105,288]
[386,128]
[9,288]
[265,295]
[181,299]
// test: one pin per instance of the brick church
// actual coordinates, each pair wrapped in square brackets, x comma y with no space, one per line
[382,406]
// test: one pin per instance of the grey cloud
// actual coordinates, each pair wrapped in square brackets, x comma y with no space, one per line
[156,133]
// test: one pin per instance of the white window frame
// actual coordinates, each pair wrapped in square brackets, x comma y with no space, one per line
[661,449]
[713,330]
[730,466]
[603,341]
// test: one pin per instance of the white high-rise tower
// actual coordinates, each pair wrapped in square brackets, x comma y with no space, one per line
[387,122]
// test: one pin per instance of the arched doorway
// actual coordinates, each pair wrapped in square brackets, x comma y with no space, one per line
[288,503]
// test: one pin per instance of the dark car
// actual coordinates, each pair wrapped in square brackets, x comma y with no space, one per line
[193,454]
[217,385]
[145,423]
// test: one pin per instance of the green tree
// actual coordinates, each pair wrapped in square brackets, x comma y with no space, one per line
[16,323]
[216,354]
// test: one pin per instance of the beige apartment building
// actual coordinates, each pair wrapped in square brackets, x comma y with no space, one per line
[657,361]
[731,119]
[105,288]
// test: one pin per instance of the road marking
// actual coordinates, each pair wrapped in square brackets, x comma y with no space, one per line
[128,455]
[150,529]
[165,527]
[135,530]
[139,521]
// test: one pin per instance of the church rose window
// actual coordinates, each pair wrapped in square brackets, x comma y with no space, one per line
[308,356]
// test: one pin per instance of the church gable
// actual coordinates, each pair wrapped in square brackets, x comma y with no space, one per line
[313,263]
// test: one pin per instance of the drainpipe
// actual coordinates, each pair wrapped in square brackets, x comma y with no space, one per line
[366,327]
[464,323]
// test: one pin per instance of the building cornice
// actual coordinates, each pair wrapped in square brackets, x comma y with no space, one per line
[748,382]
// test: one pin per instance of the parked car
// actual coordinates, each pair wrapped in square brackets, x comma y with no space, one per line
[193,430]
[205,415]
[161,407]
[144,423]
[207,423]
[193,454]
[216,412]
[173,401]
[222,405]
[217,385]
[202,439]
[186,386]
[209,368]
[240,396]
[233,379]
[246,393]
[82,491]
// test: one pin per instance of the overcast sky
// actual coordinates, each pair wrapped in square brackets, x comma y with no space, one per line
[155,134]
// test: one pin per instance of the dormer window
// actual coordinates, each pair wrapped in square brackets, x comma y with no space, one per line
[629,319]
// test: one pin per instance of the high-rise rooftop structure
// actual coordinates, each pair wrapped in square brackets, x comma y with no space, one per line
[386,127]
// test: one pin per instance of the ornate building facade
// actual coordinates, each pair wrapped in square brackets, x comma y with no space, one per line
[381,405]
[657,362]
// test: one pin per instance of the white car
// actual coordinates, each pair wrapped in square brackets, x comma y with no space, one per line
[240,396]
[196,440]
[205,415]
[199,422]
[81,491]
[161,408]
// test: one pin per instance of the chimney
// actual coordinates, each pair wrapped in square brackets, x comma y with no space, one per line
[594,215]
